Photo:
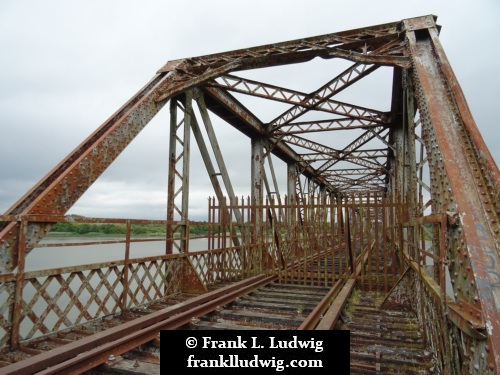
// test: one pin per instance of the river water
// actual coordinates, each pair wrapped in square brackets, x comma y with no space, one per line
[42,258]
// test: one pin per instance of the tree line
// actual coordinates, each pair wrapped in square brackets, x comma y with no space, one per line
[69,228]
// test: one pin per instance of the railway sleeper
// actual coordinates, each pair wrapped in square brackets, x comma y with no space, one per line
[385,340]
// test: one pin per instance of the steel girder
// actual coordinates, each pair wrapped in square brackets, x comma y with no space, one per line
[464,181]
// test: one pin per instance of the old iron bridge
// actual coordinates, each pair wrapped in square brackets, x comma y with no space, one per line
[393,234]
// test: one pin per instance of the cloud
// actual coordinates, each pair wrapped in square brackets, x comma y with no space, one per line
[67,66]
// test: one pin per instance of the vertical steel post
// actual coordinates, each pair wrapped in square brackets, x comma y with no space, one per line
[256,196]
[188,114]
[126,261]
[256,170]
[17,311]
[291,181]
[179,134]
[172,160]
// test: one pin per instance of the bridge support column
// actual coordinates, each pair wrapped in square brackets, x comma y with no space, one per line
[256,173]
[457,174]
[180,134]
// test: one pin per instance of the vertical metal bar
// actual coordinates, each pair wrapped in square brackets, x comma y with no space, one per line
[171,176]
[232,233]
[220,226]
[126,261]
[360,213]
[226,221]
[256,191]
[291,183]
[188,116]
[422,299]
[270,223]
[317,231]
[256,171]
[381,241]
[295,241]
[340,235]
[375,252]
[399,226]
[17,312]
[325,248]
[442,257]
[347,233]
[210,224]
[371,210]
[332,239]
[305,237]
[291,215]
[250,235]
[352,228]
[211,234]
[391,235]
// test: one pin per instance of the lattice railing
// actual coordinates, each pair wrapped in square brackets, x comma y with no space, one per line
[218,265]
[153,279]
[53,301]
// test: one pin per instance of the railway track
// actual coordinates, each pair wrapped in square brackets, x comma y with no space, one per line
[129,342]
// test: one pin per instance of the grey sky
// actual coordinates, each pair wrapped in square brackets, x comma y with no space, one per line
[66,66]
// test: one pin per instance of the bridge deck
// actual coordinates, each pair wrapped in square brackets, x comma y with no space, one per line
[388,340]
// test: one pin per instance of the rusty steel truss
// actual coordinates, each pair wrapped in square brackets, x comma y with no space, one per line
[402,199]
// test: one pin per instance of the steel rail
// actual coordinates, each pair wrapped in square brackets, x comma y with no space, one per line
[91,351]
[333,313]
[317,314]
